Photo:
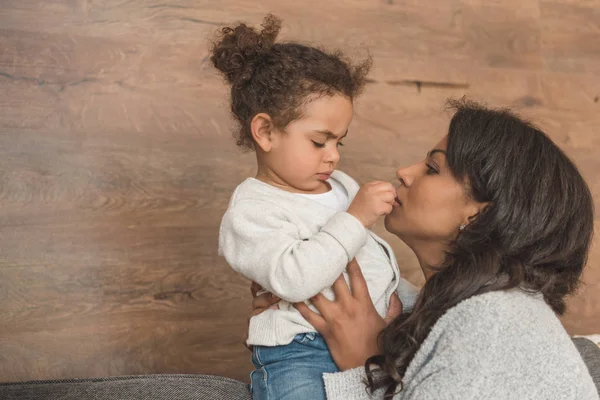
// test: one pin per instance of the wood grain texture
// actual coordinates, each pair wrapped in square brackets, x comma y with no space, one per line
[117,163]
[571,37]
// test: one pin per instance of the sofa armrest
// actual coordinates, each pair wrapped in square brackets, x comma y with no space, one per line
[590,353]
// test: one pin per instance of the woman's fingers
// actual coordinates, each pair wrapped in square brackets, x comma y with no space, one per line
[274,298]
[394,310]
[325,306]
[317,321]
[257,311]
[340,289]
[255,288]
[360,291]
[262,302]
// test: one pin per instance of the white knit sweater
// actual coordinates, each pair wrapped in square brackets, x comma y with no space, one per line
[295,248]
[498,345]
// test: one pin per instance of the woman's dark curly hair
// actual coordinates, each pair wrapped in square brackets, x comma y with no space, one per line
[534,234]
[279,78]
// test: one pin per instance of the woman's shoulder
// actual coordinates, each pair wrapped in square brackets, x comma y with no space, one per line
[508,315]
[502,305]
[503,330]
[505,336]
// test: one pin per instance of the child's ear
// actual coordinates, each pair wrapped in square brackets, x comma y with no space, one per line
[261,128]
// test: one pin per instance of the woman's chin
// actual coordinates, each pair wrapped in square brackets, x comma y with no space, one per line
[388,222]
[395,224]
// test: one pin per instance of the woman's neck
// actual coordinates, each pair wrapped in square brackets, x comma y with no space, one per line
[429,255]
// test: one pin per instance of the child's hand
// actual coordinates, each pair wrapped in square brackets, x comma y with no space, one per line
[372,201]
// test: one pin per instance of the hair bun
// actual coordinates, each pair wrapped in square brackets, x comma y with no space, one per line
[236,50]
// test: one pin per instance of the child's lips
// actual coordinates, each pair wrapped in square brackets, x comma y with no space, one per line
[324,175]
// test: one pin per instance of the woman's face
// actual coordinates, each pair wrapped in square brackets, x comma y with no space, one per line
[433,204]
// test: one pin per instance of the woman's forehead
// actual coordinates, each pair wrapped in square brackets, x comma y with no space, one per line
[442,144]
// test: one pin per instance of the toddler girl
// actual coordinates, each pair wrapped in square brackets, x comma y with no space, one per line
[296,225]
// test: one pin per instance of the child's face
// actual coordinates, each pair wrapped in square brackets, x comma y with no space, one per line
[307,152]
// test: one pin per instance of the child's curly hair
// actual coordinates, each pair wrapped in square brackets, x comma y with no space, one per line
[278,78]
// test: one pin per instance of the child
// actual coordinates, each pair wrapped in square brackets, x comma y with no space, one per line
[295,227]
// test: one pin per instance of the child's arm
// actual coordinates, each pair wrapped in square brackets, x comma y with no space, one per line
[260,243]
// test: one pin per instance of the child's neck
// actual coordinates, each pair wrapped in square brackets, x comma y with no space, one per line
[268,176]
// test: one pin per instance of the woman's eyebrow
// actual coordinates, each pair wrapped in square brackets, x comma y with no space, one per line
[432,152]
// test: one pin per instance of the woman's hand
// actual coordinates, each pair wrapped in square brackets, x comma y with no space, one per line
[260,303]
[350,324]
[262,300]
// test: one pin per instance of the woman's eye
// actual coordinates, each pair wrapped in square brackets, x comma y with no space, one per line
[317,144]
[431,170]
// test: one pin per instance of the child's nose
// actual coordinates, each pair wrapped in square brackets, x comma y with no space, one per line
[332,156]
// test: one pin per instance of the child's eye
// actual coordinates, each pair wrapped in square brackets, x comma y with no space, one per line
[340,144]
[317,144]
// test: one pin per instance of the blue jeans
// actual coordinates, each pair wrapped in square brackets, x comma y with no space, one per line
[293,371]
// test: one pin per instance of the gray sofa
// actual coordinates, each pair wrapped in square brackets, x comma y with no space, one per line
[155,387]
[180,387]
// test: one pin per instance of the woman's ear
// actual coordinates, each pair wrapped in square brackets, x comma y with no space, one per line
[261,128]
[473,210]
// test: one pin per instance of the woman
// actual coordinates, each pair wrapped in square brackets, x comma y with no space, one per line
[501,222]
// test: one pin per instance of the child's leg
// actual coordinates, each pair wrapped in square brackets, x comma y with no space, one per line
[291,372]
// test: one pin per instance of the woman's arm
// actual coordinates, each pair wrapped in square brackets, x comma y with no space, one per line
[350,325]
[503,344]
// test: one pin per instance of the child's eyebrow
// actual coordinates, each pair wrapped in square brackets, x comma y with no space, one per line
[330,134]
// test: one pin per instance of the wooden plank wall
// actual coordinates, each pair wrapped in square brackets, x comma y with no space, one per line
[116,157]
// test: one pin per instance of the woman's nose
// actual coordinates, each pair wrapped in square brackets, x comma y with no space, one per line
[406,175]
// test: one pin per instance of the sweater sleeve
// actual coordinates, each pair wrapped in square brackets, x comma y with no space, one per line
[349,384]
[408,293]
[262,244]
[463,341]
[447,373]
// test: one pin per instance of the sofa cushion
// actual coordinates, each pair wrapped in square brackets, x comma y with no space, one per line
[156,387]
